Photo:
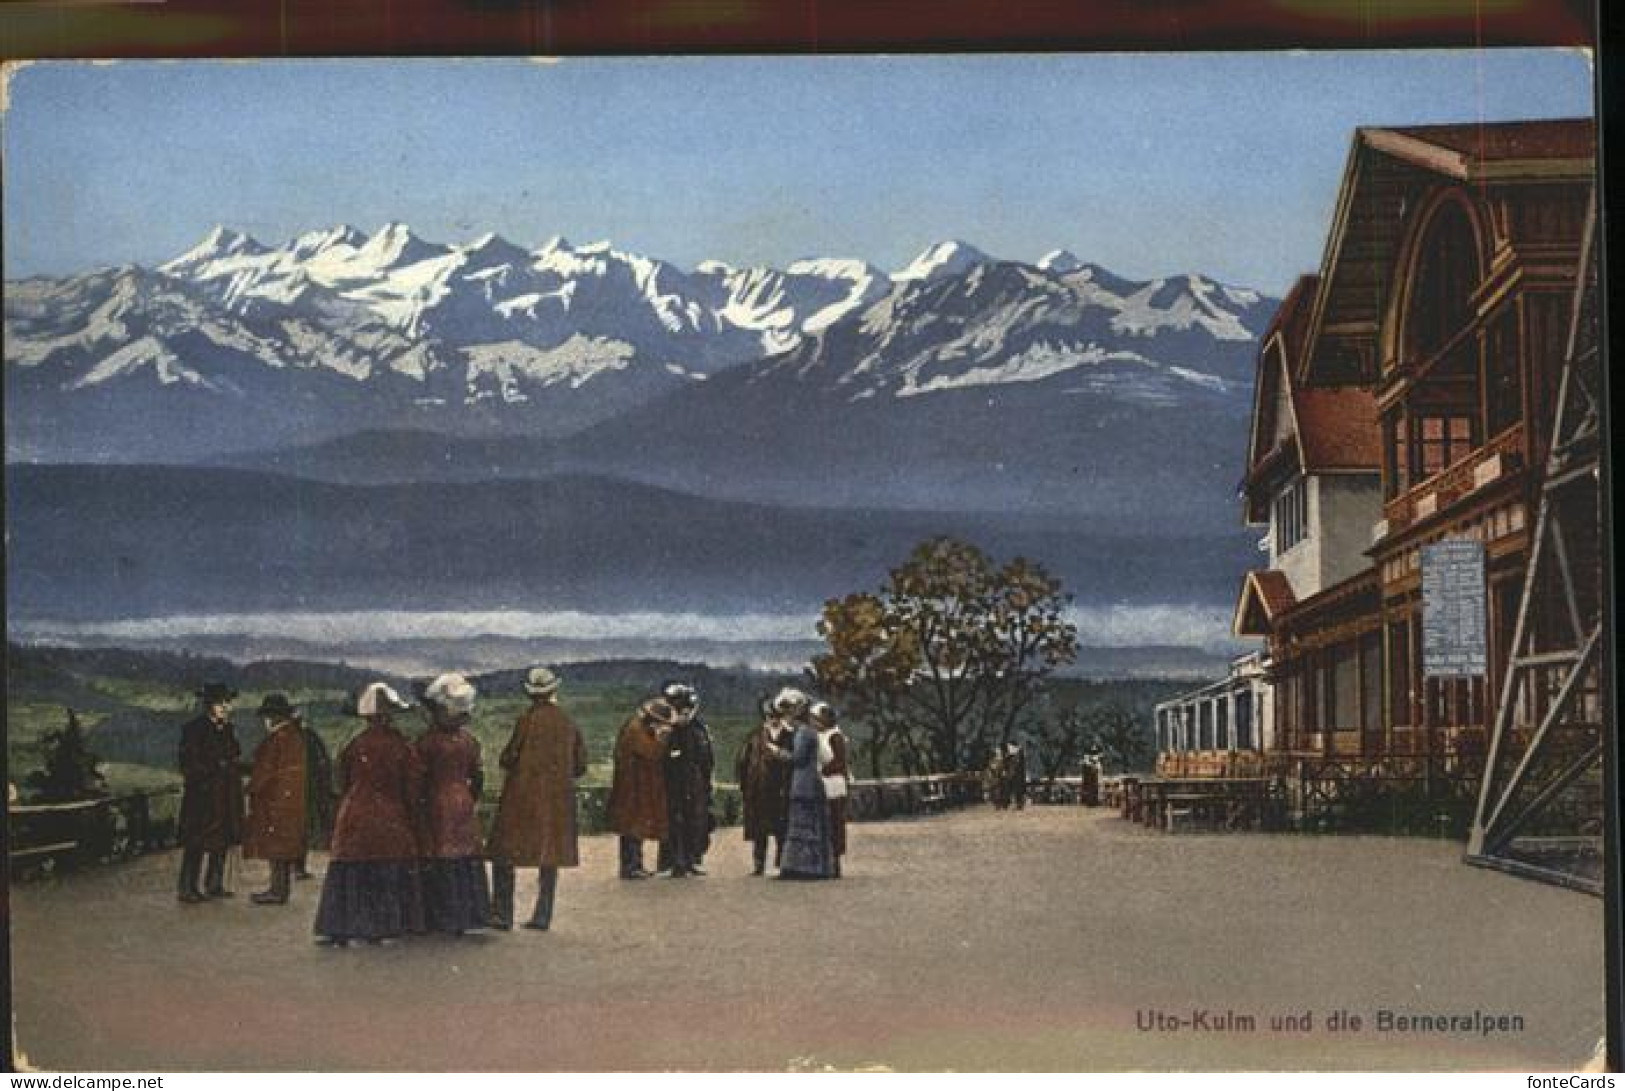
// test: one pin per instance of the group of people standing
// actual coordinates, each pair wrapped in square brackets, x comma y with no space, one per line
[289,787]
[407,851]
[793,775]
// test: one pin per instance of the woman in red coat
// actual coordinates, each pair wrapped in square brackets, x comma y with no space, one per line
[371,890]
[456,893]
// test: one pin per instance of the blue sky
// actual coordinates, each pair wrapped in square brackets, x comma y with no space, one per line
[1225,164]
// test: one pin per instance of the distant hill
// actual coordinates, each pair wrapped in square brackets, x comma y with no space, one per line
[101,542]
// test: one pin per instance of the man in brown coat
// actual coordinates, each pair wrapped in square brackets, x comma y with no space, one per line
[277,791]
[536,817]
[637,795]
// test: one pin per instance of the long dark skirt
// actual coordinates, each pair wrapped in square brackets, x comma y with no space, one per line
[370,899]
[837,826]
[456,895]
[808,852]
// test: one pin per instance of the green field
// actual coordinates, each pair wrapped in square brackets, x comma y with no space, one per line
[132,705]
[132,716]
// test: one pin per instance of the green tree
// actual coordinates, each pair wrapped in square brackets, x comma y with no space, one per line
[70,767]
[1125,743]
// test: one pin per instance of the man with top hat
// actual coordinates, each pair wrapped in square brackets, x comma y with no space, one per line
[211,820]
[535,824]
[637,792]
[689,765]
[278,798]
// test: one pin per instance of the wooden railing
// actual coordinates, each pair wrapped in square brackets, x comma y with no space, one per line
[1210,763]
[45,836]
[1455,481]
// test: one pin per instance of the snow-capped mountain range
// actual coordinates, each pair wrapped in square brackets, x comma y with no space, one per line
[238,345]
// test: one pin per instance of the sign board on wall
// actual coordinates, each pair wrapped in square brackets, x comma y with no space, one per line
[1455,641]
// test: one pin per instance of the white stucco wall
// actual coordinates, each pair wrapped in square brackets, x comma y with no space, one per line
[1342,508]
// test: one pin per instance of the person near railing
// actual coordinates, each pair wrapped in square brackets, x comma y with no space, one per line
[456,892]
[277,798]
[211,821]
[535,824]
[637,793]
[836,771]
[1014,770]
[371,891]
[763,772]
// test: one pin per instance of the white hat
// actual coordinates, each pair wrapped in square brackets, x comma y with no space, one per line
[451,692]
[377,699]
[790,701]
[823,712]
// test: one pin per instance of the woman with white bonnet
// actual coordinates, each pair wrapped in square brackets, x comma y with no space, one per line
[535,824]
[808,853]
[456,894]
[832,765]
[371,889]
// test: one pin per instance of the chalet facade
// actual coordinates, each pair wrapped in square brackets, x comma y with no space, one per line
[1405,395]
[1451,267]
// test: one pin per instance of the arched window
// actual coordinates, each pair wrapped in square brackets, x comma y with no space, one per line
[1447,273]
[1440,421]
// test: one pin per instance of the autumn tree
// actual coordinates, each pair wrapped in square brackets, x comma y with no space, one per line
[943,662]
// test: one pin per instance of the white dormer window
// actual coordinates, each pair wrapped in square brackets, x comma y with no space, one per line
[1291,515]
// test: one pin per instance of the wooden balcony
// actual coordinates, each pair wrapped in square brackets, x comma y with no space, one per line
[1499,457]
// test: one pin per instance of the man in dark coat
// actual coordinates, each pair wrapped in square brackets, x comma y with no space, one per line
[1015,775]
[211,821]
[689,765]
[320,802]
[763,771]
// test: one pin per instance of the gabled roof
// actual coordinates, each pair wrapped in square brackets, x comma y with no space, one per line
[1483,152]
[1334,429]
[1338,429]
[1283,337]
[1388,167]
[1265,596]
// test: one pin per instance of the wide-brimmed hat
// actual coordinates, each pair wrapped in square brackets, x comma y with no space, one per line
[451,692]
[823,712]
[659,710]
[790,702]
[680,695]
[541,682]
[277,705]
[214,693]
[379,698]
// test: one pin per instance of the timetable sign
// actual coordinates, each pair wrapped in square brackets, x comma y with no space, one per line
[1455,641]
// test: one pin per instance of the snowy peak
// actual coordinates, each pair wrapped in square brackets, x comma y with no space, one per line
[312,243]
[395,246]
[942,259]
[1060,262]
[221,242]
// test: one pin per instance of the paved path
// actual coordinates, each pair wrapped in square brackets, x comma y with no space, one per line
[1031,940]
